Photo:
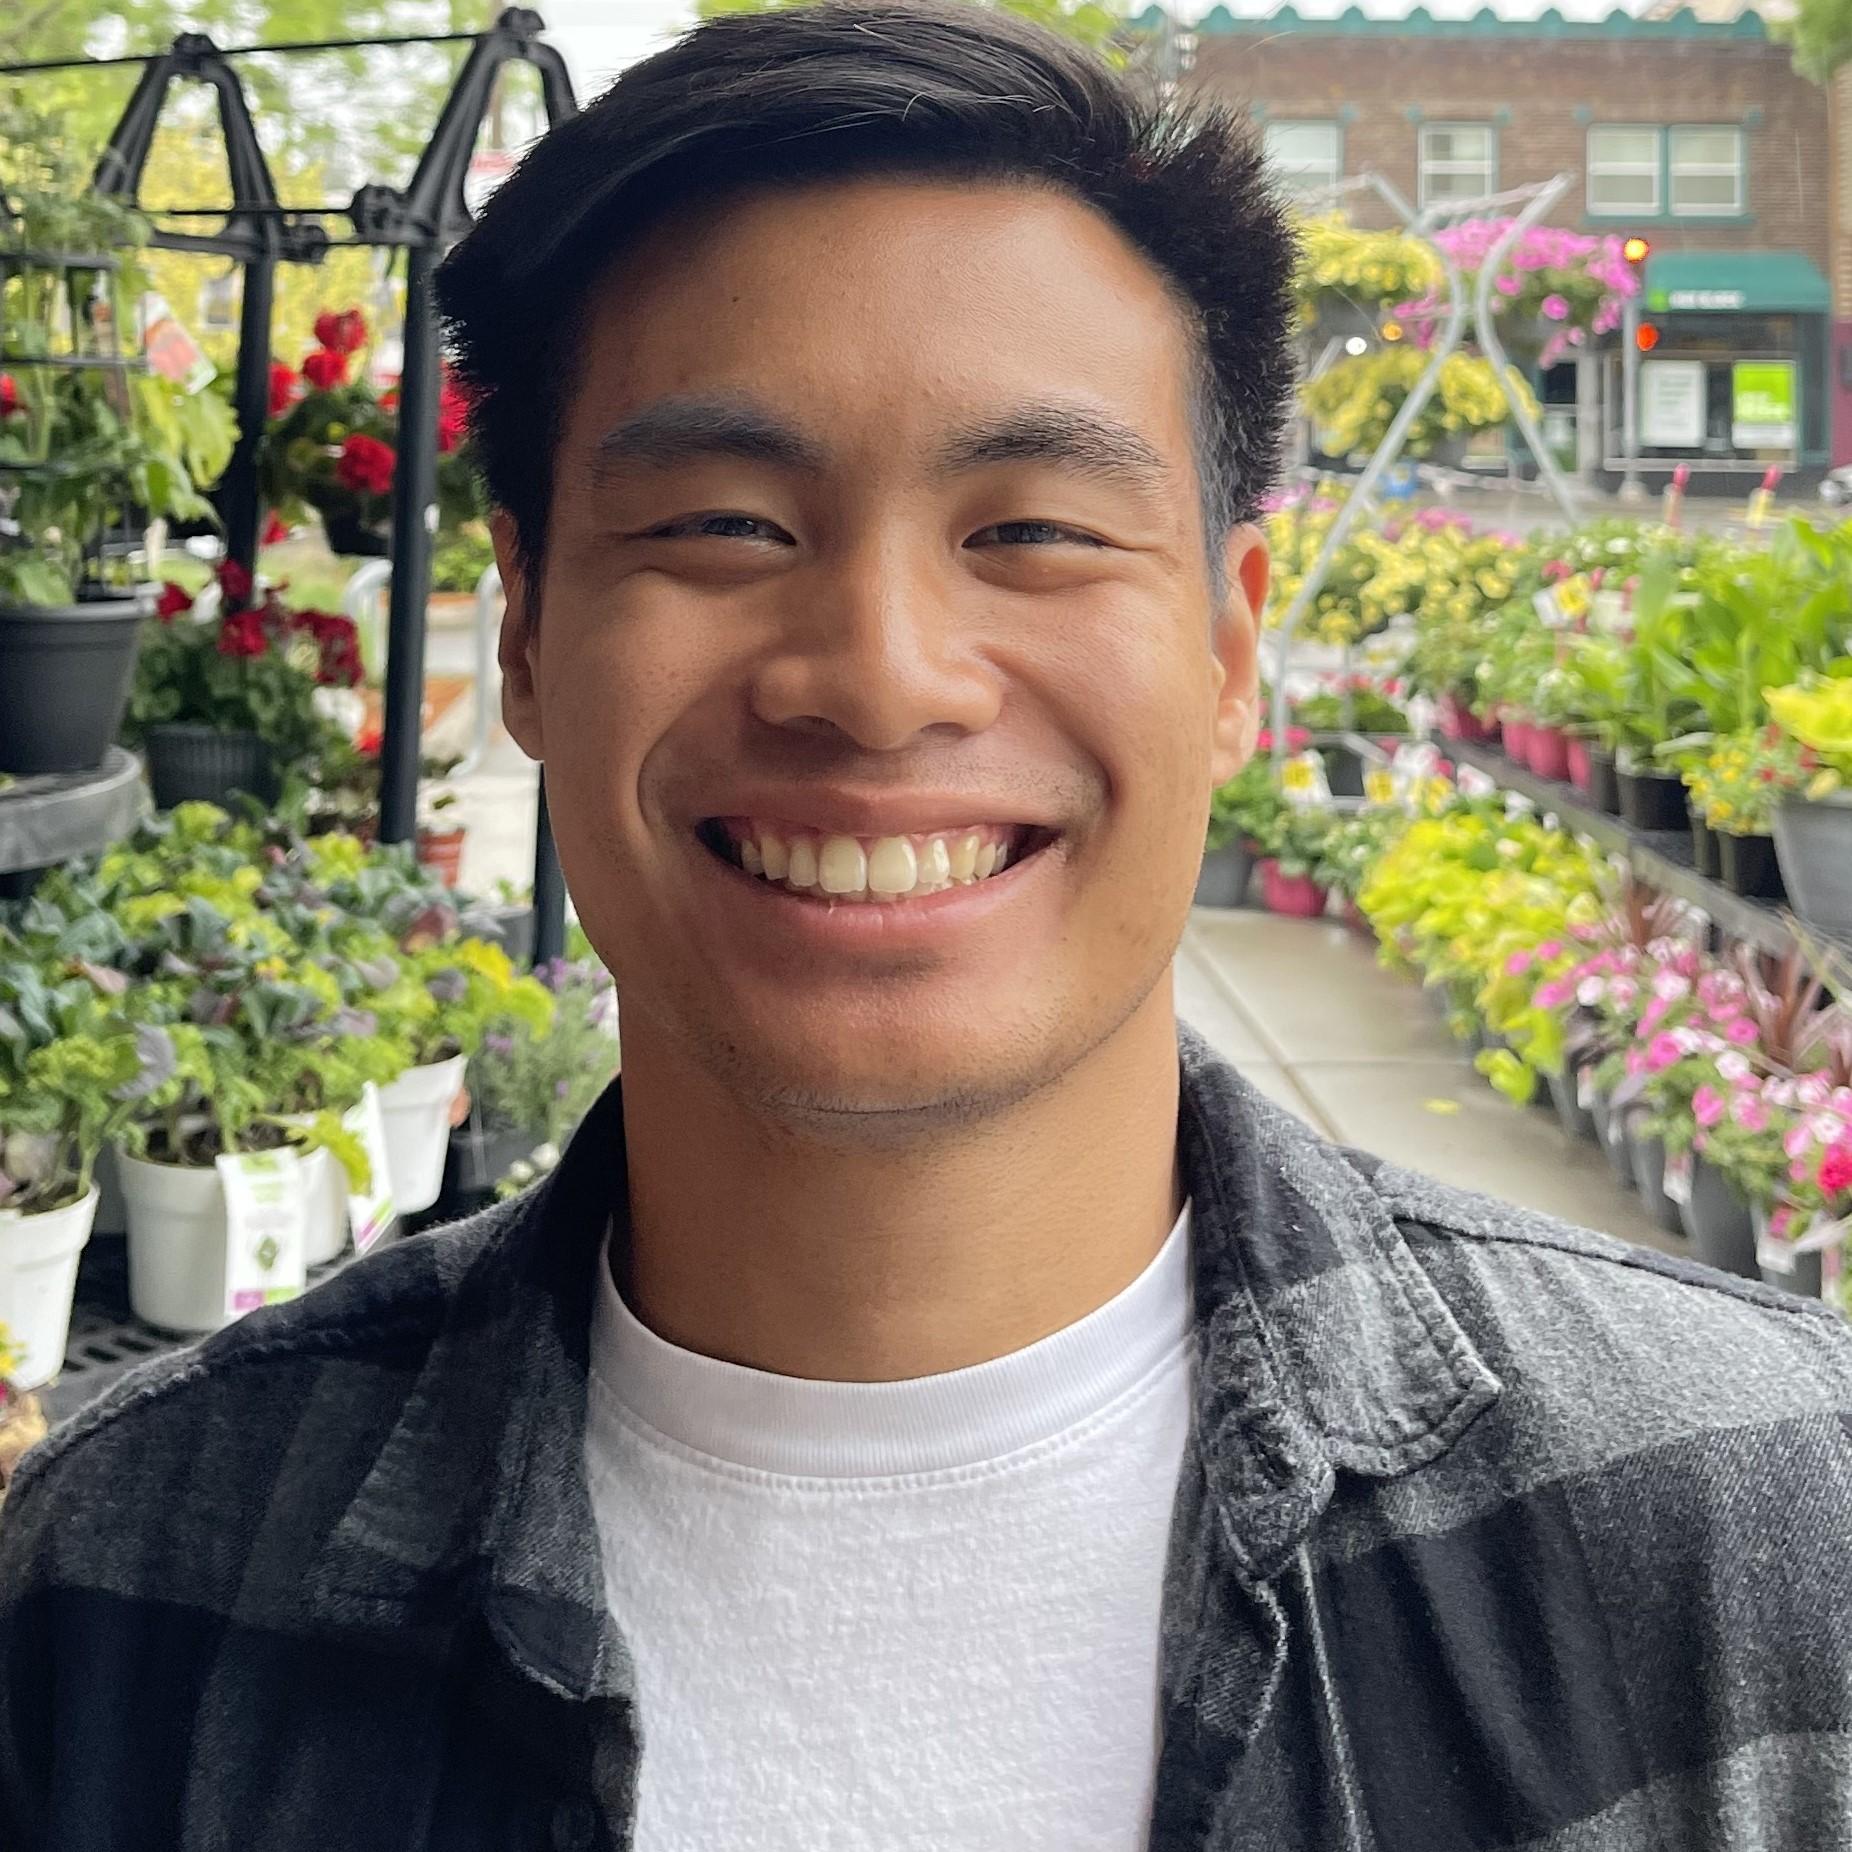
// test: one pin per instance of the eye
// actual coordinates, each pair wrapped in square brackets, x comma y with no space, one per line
[1032,534]
[719,527]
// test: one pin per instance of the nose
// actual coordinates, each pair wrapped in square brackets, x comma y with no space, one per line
[879,649]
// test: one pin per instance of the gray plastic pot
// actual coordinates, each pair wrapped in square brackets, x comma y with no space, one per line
[1802,1279]
[1813,844]
[1647,1155]
[1226,873]
[1722,1231]
[1575,1119]
[65,672]
[1613,1140]
[192,764]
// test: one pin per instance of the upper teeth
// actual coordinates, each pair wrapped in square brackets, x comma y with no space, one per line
[876,868]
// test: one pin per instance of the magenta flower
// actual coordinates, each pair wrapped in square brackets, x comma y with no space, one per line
[1741,1031]
[1508,285]
[1708,1107]
[1518,963]
[1554,994]
[1662,1052]
[1556,308]
[1749,1112]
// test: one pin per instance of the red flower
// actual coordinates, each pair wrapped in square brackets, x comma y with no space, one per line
[369,739]
[325,369]
[275,531]
[452,415]
[339,644]
[1836,1169]
[234,585]
[173,600]
[342,333]
[10,401]
[285,388]
[243,634]
[366,465]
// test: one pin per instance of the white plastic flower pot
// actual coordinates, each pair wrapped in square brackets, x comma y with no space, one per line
[38,1280]
[176,1243]
[417,1108]
[324,1236]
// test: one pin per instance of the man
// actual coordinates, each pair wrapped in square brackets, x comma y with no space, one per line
[922,1412]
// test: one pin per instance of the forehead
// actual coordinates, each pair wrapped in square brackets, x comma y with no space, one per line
[894,303]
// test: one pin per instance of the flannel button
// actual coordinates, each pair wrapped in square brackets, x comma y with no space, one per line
[573,1826]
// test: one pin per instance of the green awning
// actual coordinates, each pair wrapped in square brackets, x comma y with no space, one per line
[1735,282]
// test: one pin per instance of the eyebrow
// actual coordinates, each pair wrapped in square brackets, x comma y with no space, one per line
[1070,437]
[683,430]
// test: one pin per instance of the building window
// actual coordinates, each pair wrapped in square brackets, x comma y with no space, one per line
[1459,160]
[1623,172]
[1704,172]
[1305,156]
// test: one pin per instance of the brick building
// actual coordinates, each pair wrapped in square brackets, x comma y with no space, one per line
[1696,133]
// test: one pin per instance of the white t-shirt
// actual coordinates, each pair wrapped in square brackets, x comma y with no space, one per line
[920,1616]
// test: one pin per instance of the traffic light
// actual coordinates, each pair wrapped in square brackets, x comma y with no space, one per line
[1636,250]
[1646,337]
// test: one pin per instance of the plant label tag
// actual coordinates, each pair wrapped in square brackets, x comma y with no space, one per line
[1678,1177]
[266,1219]
[371,1212]
[1475,783]
[1550,609]
[1823,1232]
[1572,599]
[1585,1090]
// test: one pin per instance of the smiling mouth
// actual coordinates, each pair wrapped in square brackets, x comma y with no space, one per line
[873,870]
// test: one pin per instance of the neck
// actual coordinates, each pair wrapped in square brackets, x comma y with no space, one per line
[791,1255]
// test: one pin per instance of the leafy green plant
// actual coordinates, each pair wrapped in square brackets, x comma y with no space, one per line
[544,1080]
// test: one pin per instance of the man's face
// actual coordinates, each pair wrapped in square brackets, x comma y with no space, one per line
[876,560]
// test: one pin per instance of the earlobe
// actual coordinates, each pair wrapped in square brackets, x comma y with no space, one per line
[519,643]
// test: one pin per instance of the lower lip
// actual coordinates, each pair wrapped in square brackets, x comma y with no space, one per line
[880,926]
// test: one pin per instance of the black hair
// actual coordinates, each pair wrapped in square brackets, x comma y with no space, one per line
[843,88]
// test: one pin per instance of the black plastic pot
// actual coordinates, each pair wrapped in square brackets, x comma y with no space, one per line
[1225,876]
[349,535]
[1343,771]
[1653,800]
[513,931]
[1804,1280]
[1647,1155]
[65,672]
[189,764]
[1603,781]
[478,1159]
[1576,1119]
[1748,866]
[1704,851]
[1719,1223]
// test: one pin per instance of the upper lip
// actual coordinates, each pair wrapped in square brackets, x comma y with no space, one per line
[837,812]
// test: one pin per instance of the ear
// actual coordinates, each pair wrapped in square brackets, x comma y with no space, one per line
[519,651]
[1235,642]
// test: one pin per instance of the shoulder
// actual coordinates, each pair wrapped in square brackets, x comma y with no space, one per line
[1636,1384]
[190,1451]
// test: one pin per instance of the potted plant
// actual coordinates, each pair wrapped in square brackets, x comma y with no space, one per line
[441,831]
[1347,277]
[1813,826]
[529,1087]
[69,1074]
[1737,783]
[92,445]
[1291,845]
[1239,812]
[232,701]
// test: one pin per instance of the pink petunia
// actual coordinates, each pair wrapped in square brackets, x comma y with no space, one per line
[1741,1031]
[1749,1112]
[1662,1052]
[1734,1067]
[1518,963]
[1708,1107]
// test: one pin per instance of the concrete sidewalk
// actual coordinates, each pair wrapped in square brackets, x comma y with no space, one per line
[1304,1010]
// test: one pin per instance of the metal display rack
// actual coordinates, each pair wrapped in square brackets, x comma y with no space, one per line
[258,232]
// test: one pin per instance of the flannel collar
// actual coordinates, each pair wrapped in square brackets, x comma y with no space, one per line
[1323,1347]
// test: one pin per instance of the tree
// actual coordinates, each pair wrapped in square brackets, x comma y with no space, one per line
[1821,34]
[1092,23]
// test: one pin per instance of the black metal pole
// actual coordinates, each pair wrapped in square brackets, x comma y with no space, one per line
[240,498]
[549,887]
[414,502]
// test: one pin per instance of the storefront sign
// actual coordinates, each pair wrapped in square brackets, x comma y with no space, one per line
[1672,404]
[1762,405]
[1705,299]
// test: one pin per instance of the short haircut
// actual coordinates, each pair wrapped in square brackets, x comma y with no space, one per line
[849,88]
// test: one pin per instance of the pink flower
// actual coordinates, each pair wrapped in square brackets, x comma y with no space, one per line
[1781,1221]
[1550,948]
[1653,1015]
[1749,1112]
[1836,1169]
[1797,1141]
[1636,1061]
[1555,308]
[1708,1107]
[1662,1052]
[1518,963]
[1670,985]
[1622,991]
[1508,285]
[1741,1031]
[1734,1067]
[1554,994]
[1812,1090]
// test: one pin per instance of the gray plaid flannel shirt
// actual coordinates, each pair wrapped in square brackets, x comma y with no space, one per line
[1491,1533]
